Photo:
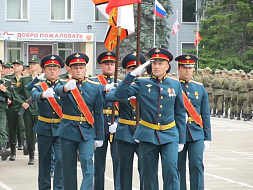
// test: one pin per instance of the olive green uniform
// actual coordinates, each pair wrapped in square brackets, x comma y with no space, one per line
[206,81]
[14,119]
[250,97]
[241,88]
[234,94]
[30,115]
[218,95]
[227,95]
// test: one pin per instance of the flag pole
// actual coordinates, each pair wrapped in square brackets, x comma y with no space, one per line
[115,76]
[177,44]
[154,23]
[138,55]
[197,44]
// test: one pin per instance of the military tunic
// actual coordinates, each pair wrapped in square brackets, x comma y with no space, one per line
[161,128]
[46,129]
[241,88]
[250,95]
[227,94]
[218,94]
[195,136]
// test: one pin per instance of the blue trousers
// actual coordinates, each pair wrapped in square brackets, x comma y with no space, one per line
[196,168]
[126,157]
[100,163]
[150,155]
[45,144]
[69,163]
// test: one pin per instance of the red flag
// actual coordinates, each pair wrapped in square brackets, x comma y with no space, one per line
[197,38]
[119,3]
[99,2]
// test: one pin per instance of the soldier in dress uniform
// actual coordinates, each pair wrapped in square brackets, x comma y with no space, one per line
[22,97]
[198,127]
[4,95]
[13,118]
[49,118]
[81,127]
[162,118]
[106,80]
[218,94]
[126,144]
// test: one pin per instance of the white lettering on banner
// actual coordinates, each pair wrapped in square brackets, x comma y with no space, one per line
[31,36]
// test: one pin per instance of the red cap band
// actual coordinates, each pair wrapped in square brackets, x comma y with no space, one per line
[161,56]
[132,63]
[52,62]
[108,58]
[185,61]
[79,60]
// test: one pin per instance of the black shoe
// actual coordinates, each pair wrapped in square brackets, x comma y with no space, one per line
[20,147]
[219,113]
[238,116]
[226,115]
[5,153]
[31,161]
[25,149]
[52,174]
[248,117]
[232,115]
[12,157]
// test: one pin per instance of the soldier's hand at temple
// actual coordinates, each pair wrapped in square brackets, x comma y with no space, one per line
[98,143]
[3,88]
[137,141]
[140,69]
[206,145]
[48,93]
[41,76]
[180,147]
[110,86]
[70,85]
[25,105]
[113,127]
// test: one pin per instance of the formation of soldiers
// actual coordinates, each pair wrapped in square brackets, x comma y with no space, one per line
[72,114]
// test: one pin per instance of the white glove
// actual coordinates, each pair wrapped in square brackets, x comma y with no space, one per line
[206,145]
[70,85]
[137,141]
[98,143]
[132,97]
[110,86]
[113,127]
[48,93]
[140,69]
[41,76]
[180,147]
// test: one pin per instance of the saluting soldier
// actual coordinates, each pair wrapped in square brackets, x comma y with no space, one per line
[106,80]
[126,144]
[4,96]
[49,118]
[198,127]
[241,88]
[82,123]
[218,94]
[162,118]
[30,114]
[13,118]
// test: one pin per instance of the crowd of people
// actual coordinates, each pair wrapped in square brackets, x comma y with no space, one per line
[69,116]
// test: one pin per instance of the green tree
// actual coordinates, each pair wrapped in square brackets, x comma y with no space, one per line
[147,29]
[227,32]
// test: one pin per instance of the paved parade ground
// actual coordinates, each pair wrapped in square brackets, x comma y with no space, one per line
[228,162]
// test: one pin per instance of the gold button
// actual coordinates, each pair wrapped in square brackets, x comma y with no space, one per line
[161,81]
[134,109]
[53,112]
[134,117]
[161,106]
[161,97]
[107,115]
[109,108]
[189,99]
[160,115]
[187,86]
[80,122]
[81,92]
[80,85]
[81,115]
[158,123]
[161,88]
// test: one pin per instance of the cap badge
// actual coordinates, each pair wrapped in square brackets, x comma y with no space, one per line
[109,53]
[33,59]
[77,55]
[53,57]
[188,57]
[134,53]
[157,50]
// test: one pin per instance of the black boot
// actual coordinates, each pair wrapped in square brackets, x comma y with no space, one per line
[214,112]
[248,117]
[238,116]
[235,113]
[232,115]
[25,149]
[20,144]
[219,113]
[31,158]
[245,117]
[13,154]
[226,114]
[4,153]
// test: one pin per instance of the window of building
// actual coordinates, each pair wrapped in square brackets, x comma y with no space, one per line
[61,10]
[16,9]
[187,46]
[99,16]
[13,51]
[65,49]
[189,11]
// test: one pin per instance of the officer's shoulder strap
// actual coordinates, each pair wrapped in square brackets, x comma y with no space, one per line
[199,83]
[93,82]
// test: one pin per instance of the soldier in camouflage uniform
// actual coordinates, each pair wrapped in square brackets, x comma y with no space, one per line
[199,77]
[241,88]
[250,96]
[206,80]
[233,103]
[227,92]
[218,94]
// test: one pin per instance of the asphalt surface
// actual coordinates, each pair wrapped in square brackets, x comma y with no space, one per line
[228,162]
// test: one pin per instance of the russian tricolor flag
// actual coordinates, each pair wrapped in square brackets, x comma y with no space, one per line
[159,9]
[176,27]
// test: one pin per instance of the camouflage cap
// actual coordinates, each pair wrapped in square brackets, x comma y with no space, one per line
[217,72]
[230,73]
[240,70]
[243,74]
[251,72]
[248,75]
[18,61]
[237,72]
[34,60]
[7,65]
[208,69]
